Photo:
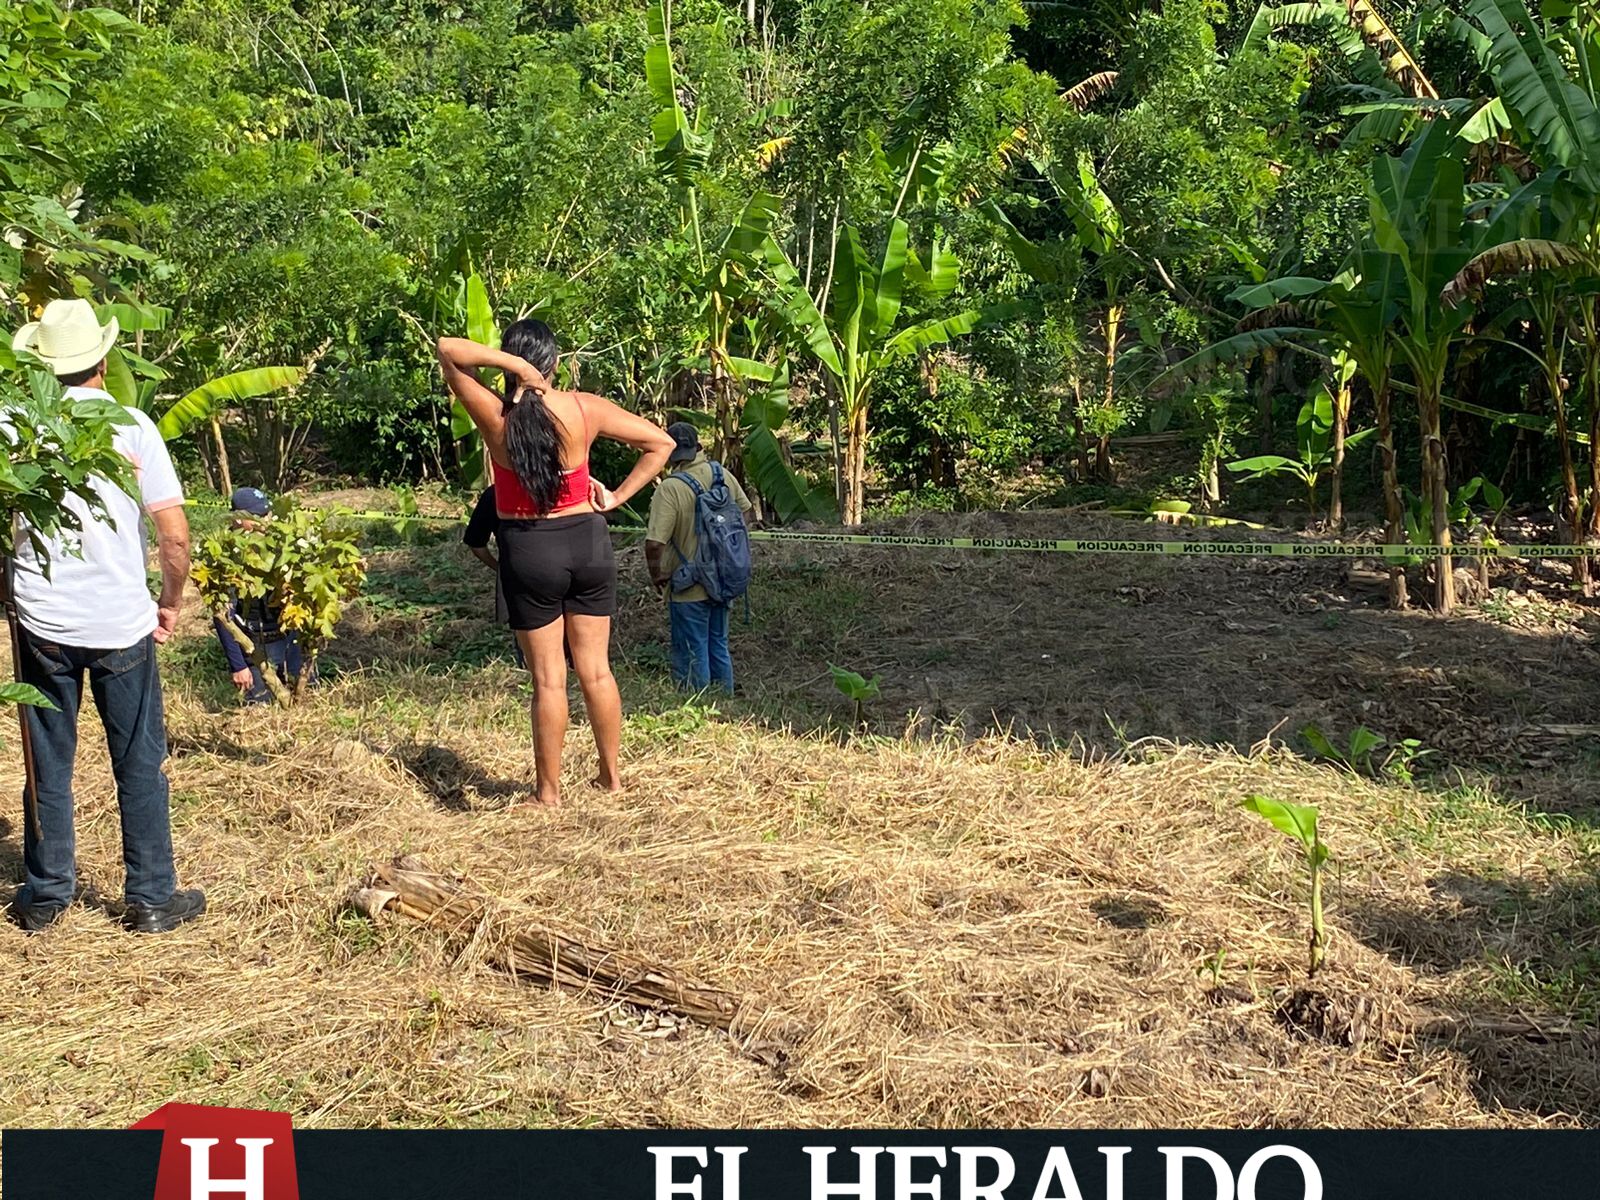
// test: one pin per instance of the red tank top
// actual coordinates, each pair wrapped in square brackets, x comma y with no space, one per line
[511,499]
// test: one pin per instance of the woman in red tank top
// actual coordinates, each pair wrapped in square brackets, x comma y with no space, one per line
[557,571]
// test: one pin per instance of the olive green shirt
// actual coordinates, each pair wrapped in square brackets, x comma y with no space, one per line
[672,517]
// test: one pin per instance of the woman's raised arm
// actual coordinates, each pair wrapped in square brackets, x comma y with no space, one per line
[461,360]
[617,423]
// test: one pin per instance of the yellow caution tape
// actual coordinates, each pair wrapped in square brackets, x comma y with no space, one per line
[1175,547]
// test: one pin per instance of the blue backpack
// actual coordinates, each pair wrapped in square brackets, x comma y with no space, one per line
[721,563]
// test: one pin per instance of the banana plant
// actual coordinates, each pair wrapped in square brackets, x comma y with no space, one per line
[1315,445]
[864,331]
[1299,821]
[474,311]
[766,409]
[1552,113]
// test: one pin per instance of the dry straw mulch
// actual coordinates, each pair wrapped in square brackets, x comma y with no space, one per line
[979,934]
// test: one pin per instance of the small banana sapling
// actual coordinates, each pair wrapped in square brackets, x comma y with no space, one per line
[1299,821]
[856,688]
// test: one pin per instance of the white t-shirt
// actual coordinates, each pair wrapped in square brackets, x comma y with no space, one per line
[101,600]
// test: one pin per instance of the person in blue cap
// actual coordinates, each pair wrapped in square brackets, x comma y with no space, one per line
[258,618]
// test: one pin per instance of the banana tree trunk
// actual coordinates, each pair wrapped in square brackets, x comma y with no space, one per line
[856,464]
[1394,531]
[1269,375]
[1572,524]
[224,471]
[1341,419]
[1103,467]
[840,481]
[726,391]
[1436,487]
[1080,438]
[1591,391]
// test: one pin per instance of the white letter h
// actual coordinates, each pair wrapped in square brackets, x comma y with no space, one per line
[254,1184]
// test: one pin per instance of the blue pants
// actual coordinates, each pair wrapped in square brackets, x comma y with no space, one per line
[700,655]
[284,655]
[127,693]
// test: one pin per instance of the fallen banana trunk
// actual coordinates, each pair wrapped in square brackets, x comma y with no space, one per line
[562,958]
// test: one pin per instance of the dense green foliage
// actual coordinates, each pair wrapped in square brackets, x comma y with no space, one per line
[941,244]
[302,563]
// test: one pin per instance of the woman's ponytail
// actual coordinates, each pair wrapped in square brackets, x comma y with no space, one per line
[533,435]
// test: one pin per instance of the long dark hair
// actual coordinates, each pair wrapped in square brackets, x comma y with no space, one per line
[533,435]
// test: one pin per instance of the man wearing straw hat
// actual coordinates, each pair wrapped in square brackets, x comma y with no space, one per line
[92,615]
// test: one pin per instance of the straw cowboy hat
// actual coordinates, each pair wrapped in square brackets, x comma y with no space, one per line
[68,338]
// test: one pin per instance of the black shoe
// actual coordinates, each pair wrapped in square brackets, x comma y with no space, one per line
[184,905]
[31,918]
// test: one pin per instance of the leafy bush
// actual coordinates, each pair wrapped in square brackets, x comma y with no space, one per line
[296,560]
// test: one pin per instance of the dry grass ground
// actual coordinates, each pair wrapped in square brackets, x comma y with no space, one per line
[974,929]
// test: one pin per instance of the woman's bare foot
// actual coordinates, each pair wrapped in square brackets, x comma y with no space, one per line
[607,783]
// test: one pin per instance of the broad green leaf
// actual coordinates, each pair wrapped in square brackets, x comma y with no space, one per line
[790,496]
[1319,743]
[928,334]
[800,313]
[1038,264]
[1299,821]
[852,685]
[119,379]
[481,326]
[1275,291]
[1263,462]
[1362,743]
[1532,81]
[135,318]
[24,693]
[1235,350]
[211,398]
[891,277]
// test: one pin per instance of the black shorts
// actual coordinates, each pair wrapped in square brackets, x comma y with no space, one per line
[554,566]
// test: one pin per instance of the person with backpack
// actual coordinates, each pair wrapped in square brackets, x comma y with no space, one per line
[697,547]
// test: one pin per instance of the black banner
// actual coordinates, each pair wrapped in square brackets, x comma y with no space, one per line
[871,1165]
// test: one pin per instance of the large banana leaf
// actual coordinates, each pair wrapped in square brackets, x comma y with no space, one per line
[124,388]
[800,312]
[1559,117]
[680,148]
[790,496]
[133,317]
[481,328]
[209,399]
[1330,17]
[1276,291]
[941,274]
[891,277]
[855,288]
[1520,257]
[927,334]
[1035,261]
[766,391]
[1235,350]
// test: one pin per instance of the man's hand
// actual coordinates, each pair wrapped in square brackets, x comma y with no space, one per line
[172,531]
[166,623]
[243,679]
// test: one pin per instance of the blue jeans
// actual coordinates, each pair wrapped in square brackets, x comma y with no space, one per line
[127,694]
[700,655]
[284,655]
